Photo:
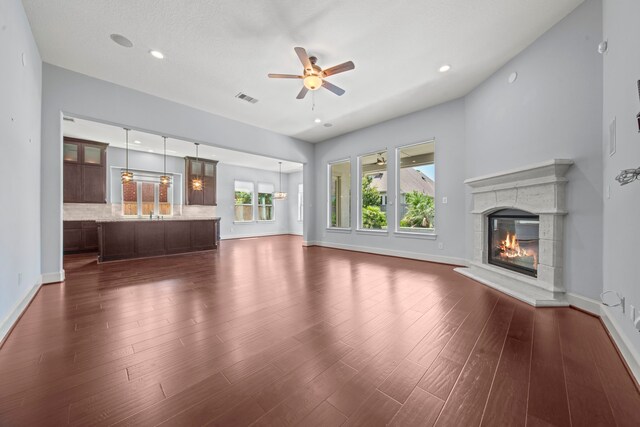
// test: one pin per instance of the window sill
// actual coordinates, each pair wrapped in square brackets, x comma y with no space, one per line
[244,222]
[266,220]
[416,235]
[338,230]
[372,231]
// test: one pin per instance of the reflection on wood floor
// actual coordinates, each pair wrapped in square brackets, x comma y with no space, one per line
[266,332]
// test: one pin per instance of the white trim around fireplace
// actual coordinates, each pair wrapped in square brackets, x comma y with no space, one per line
[540,190]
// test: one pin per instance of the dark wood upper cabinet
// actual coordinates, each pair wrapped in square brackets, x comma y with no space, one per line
[206,170]
[84,171]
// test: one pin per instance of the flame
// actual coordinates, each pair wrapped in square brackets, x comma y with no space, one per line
[510,248]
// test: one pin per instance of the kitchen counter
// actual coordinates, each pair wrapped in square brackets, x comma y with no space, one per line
[125,238]
[166,219]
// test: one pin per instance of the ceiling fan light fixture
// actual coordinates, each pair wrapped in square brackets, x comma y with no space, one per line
[312,82]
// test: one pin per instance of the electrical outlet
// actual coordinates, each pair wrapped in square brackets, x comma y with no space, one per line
[444,200]
[632,313]
[440,245]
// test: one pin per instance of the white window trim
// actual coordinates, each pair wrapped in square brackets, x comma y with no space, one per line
[253,203]
[273,205]
[360,228]
[428,233]
[328,200]
[156,200]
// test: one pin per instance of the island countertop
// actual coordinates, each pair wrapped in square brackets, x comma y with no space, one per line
[143,219]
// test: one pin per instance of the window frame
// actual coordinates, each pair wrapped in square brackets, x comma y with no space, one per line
[427,233]
[258,204]
[360,228]
[156,199]
[252,204]
[329,227]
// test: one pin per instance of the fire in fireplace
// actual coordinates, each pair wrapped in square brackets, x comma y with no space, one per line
[513,240]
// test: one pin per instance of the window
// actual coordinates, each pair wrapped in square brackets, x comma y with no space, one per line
[340,194]
[300,202]
[416,187]
[144,197]
[265,202]
[373,191]
[244,201]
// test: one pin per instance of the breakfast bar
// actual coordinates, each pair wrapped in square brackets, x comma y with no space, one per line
[140,238]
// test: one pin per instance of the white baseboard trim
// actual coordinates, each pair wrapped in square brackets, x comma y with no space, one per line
[308,243]
[584,303]
[16,312]
[627,350]
[249,235]
[54,277]
[391,252]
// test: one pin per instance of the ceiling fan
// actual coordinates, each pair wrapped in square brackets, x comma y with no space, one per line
[313,77]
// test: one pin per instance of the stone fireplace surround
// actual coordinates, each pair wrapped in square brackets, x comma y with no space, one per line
[539,189]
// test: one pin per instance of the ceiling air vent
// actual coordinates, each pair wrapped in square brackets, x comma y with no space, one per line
[246,97]
[68,119]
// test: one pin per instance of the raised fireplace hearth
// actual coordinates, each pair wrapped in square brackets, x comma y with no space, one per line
[518,232]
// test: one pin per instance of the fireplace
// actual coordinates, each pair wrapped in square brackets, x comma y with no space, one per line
[518,232]
[513,236]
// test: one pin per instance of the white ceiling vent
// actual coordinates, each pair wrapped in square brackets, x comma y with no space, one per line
[68,119]
[246,97]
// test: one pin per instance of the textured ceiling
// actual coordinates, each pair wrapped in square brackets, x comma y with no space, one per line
[215,49]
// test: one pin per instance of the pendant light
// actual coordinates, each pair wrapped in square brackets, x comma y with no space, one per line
[165,179]
[126,175]
[196,183]
[280,195]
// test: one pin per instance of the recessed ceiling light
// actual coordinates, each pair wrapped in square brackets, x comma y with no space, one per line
[137,142]
[444,68]
[156,54]
[150,151]
[318,120]
[121,40]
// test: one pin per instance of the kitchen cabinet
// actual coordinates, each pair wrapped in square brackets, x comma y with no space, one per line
[206,170]
[80,236]
[84,171]
[123,239]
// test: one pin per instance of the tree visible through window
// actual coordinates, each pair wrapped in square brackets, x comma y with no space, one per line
[416,187]
[373,192]
[339,195]
[243,208]
[265,202]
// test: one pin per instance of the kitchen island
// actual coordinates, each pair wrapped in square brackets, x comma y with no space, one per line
[120,238]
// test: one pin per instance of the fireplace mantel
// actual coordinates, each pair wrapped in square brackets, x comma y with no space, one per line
[539,189]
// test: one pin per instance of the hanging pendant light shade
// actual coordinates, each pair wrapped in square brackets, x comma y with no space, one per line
[126,174]
[280,195]
[165,179]
[196,182]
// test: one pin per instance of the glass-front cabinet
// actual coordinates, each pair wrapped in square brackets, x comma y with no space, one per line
[84,171]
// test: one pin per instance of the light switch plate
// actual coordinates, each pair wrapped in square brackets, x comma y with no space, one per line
[444,200]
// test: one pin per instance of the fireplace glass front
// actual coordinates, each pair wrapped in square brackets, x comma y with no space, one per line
[513,240]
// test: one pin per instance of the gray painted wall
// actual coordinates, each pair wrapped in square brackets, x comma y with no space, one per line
[553,110]
[227,175]
[446,124]
[64,91]
[20,100]
[622,208]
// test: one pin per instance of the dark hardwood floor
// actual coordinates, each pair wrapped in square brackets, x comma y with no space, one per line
[266,332]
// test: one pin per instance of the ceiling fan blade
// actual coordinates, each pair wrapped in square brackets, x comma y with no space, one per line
[340,68]
[333,88]
[303,93]
[284,76]
[304,58]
